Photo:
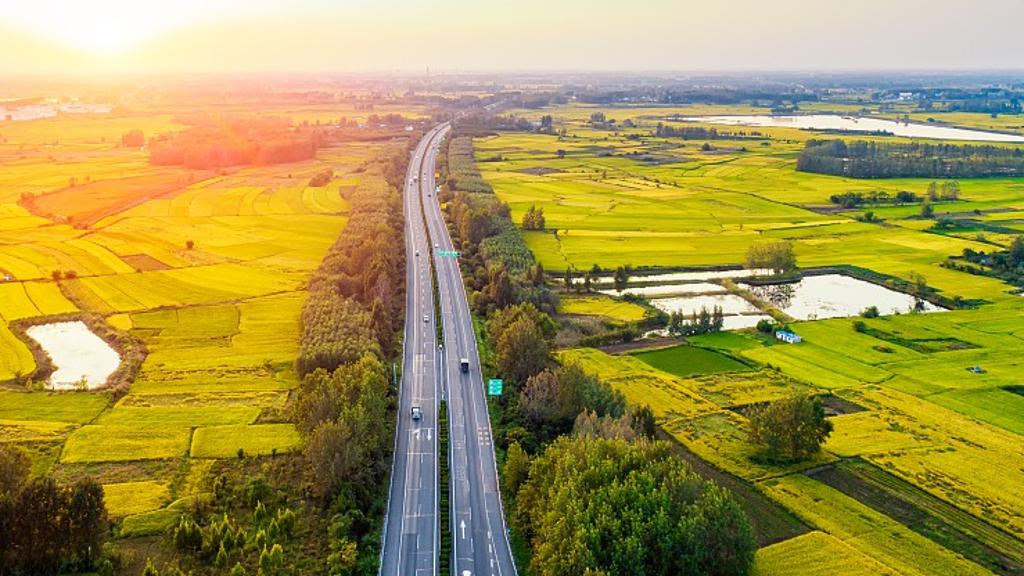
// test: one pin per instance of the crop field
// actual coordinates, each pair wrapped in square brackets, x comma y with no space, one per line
[207,269]
[606,307]
[686,361]
[924,472]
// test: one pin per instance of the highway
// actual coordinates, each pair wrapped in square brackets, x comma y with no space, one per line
[480,544]
[479,536]
[411,539]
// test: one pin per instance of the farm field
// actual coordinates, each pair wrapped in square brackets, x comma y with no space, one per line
[206,269]
[626,197]
[925,457]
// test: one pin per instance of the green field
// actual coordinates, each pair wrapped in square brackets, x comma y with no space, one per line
[686,361]
[951,437]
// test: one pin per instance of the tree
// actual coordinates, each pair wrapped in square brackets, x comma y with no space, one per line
[533,218]
[621,277]
[133,139]
[500,288]
[522,351]
[927,210]
[790,429]
[778,256]
[87,515]
[516,470]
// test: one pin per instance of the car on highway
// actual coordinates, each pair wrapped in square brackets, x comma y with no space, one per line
[417,413]
[426,318]
[464,365]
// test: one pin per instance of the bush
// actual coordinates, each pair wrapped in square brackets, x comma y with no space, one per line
[765,326]
[870,312]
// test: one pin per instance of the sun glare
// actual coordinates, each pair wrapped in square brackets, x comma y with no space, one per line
[105,26]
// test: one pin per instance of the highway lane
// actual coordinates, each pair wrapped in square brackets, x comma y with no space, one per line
[411,540]
[479,535]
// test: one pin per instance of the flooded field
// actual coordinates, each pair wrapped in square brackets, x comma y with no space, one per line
[82,359]
[836,296]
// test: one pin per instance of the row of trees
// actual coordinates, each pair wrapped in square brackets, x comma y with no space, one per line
[948,191]
[701,133]
[218,142]
[871,159]
[705,322]
[46,528]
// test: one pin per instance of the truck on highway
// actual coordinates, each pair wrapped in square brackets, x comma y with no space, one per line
[464,365]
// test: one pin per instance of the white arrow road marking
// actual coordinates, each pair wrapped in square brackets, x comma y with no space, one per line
[428,434]
[462,526]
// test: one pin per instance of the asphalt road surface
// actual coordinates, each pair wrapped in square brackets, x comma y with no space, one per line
[479,536]
[411,542]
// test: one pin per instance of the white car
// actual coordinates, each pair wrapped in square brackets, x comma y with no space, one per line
[416,413]
[426,318]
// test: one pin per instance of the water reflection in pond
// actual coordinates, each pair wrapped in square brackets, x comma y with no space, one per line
[82,358]
[836,296]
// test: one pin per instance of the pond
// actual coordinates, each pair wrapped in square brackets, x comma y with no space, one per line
[836,296]
[81,358]
[859,124]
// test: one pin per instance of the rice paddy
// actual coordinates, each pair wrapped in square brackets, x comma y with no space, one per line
[206,269]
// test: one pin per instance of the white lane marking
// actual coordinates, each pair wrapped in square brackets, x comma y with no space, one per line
[462,527]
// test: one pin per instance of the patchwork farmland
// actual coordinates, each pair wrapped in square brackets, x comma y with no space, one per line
[204,269]
[924,469]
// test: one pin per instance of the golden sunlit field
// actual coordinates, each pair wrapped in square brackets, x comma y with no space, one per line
[206,268]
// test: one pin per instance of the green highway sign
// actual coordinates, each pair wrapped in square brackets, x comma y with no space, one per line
[495,387]
[447,253]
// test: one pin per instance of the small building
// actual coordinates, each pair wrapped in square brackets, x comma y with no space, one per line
[788,337]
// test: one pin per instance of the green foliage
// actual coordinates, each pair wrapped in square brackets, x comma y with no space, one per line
[14,469]
[870,312]
[704,322]
[188,537]
[594,505]
[778,256]
[871,159]
[533,219]
[46,527]
[341,413]
[790,429]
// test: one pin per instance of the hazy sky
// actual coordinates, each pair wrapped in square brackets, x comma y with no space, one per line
[42,36]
